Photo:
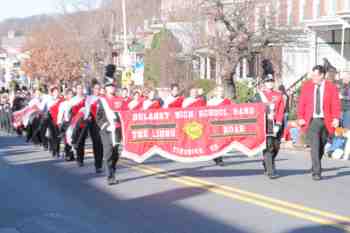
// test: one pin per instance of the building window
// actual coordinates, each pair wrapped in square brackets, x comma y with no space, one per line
[289,12]
[331,7]
[316,9]
[347,5]
[302,10]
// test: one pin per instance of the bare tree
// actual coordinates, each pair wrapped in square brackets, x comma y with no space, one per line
[245,28]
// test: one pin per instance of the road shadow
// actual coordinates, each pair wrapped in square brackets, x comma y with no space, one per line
[317,229]
[61,197]
[294,172]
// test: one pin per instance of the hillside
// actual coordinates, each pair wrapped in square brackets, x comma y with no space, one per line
[21,25]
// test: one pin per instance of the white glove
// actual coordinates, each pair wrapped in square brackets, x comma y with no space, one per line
[110,128]
[276,129]
[335,123]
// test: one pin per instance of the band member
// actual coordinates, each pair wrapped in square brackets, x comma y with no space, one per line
[136,102]
[126,97]
[107,118]
[94,131]
[201,94]
[45,100]
[53,107]
[193,100]
[318,113]
[275,113]
[63,120]
[32,122]
[152,101]
[174,100]
[219,100]
[80,132]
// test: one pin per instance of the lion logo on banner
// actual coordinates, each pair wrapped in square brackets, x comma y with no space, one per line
[193,130]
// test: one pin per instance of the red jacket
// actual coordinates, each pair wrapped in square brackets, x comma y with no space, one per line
[331,104]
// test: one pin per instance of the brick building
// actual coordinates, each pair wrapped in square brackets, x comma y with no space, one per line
[325,27]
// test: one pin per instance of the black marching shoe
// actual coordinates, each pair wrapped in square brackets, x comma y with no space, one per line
[316,177]
[80,163]
[219,162]
[265,170]
[69,156]
[272,175]
[111,180]
[99,170]
[69,159]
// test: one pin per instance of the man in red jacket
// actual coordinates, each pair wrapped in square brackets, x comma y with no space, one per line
[318,113]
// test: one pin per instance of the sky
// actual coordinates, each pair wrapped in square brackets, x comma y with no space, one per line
[24,8]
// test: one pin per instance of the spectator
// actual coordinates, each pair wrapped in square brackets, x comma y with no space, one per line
[345,100]
[335,148]
[294,132]
[284,93]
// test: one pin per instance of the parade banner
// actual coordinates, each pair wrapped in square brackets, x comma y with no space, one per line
[194,134]
[21,117]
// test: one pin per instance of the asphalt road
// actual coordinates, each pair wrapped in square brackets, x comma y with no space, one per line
[39,194]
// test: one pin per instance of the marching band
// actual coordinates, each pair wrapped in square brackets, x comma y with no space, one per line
[72,117]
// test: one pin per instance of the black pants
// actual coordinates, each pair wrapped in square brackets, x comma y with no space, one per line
[42,131]
[270,153]
[111,153]
[317,136]
[8,122]
[32,127]
[79,138]
[68,152]
[54,139]
[97,146]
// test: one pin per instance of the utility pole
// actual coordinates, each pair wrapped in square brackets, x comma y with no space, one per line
[126,53]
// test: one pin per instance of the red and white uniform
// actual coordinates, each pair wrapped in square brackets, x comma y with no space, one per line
[135,104]
[219,102]
[274,99]
[91,103]
[53,107]
[173,102]
[151,104]
[63,115]
[110,105]
[76,104]
[191,102]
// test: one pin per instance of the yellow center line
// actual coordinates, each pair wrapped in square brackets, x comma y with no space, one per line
[291,209]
